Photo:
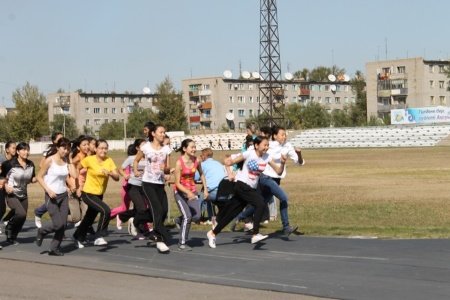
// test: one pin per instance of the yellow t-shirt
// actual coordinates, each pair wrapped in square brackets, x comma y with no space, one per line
[96,181]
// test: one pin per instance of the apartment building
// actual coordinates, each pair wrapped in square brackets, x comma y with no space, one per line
[211,101]
[406,83]
[91,110]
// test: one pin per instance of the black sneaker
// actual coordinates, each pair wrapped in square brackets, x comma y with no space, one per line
[12,242]
[56,252]
[39,238]
[288,230]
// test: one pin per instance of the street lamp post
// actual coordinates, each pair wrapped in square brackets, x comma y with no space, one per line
[64,104]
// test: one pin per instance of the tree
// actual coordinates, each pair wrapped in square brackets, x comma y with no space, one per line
[340,118]
[358,111]
[293,116]
[137,119]
[170,107]
[70,126]
[302,74]
[6,131]
[314,115]
[30,121]
[111,131]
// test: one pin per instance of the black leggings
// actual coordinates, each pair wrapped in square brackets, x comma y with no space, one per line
[157,197]
[95,206]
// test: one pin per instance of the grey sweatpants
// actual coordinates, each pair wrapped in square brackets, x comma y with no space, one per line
[58,209]
[190,211]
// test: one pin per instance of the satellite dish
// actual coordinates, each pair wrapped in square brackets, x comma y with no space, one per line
[331,78]
[288,76]
[255,75]
[333,88]
[227,74]
[340,77]
[146,90]
[346,78]
[229,116]
[245,74]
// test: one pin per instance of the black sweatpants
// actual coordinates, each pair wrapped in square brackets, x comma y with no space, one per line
[157,197]
[95,206]
[243,195]
[142,207]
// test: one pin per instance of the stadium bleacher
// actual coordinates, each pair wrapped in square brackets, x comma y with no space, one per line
[376,136]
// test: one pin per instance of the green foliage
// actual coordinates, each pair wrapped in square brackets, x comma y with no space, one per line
[30,121]
[340,118]
[71,130]
[111,131]
[6,131]
[293,116]
[314,115]
[171,107]
[137,119]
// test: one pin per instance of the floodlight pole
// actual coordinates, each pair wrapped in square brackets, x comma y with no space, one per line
[271,93]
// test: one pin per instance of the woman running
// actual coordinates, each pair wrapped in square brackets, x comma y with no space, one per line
[255,161]
[186,195]
[156,166]
[22,173]
[10,152]
[99,168]
[52,177]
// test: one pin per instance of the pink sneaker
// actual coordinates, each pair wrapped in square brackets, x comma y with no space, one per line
[118,223]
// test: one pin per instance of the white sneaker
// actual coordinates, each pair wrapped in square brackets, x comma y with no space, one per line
[77,224]
[248,226]
[5,223]
[211,239]
[259,237]
[131,228]
[78,243]
[118,223]
[37,221]
[162,247]
[100,242]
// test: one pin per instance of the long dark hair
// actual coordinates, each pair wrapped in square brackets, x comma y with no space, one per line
[132,147]
[76,143]
[155,127]
[184,144]
[62,142]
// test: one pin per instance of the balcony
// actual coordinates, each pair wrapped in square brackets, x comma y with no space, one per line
[194,119]
[193,94]
[205,105]
[205,118]
[205,93]
[304,92]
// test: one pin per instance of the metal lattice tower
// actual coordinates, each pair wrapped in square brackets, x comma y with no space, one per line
[271,92]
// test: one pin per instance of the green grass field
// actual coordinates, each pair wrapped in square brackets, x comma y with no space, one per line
[389,193]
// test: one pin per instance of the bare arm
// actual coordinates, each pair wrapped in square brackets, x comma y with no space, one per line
[139,156]
[40,177]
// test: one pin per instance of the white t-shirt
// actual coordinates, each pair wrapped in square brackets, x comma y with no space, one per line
[252,168]
[154,162]
[276,150]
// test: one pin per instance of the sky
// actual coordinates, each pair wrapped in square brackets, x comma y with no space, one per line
[113,45]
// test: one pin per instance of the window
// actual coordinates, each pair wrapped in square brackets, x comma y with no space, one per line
[106,121]
[230,86]
[87,122]
[86,100]
[327,100]
[431,68]
[105,99]
[327,88]
[105,110]
[401,69]
[121,110]
[241,86]
[312,98]
[257,99]
[113,110]
[432,101]
[206,87]
[241,113]
[96,110]
[230,99]
[346,99]
[441,69]
[241,99]
[250,112]
[442,100]
[113,100]
[337,100]
[87,110]
[250,99]
[114,120]
[319,99]
[250,87]
[441,84]
[97,121]
[96,100]
[431,83]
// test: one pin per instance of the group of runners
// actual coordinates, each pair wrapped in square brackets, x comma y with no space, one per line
[74,176]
